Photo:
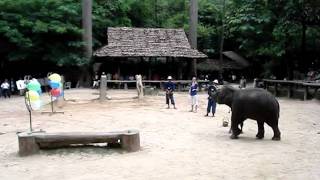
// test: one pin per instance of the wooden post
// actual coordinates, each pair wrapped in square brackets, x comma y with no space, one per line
[289,90]
[103,87]
[27,144]
[130,141]
[305,96]
[119,72]
[180,76]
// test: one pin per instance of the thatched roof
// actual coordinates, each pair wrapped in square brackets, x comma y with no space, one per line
[236,57]
[216,65]
[147,42]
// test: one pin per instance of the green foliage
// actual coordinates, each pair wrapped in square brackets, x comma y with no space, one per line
[50,30]
[42,30]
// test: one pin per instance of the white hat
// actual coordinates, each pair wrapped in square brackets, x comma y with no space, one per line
[169,77]
[216,81]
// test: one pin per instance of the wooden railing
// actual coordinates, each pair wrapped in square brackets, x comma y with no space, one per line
[160,83]
[291,85]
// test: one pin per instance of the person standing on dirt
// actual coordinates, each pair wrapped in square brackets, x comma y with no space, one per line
[170,87]
[212,90]
[5,86]
[193,91]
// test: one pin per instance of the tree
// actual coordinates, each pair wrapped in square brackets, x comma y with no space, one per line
[46,30]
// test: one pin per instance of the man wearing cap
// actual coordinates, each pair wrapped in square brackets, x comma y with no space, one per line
[212,89]
[194,95]
[170,87]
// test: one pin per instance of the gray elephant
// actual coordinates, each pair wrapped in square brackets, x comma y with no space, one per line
[257,104]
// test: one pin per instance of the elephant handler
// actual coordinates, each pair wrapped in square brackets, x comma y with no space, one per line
[212,89]
[170,87]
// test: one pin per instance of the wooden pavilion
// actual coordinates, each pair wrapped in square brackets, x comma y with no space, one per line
[231,62]
[147,51]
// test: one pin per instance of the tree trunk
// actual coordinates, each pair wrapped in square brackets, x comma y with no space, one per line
[193,24]
[222,39]
[303,43]
[87,27]
[87,39]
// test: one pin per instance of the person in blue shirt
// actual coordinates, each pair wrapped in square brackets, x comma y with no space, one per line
[212,90]
[169,88]
[193,91]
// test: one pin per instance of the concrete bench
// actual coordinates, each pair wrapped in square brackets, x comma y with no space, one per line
[31,143]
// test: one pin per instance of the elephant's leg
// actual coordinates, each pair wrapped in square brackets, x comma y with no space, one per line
[276,132]
[260,134]
[241,126]
[235,126]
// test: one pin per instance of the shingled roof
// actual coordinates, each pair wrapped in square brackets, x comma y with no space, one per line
[236,57]
[216,65]
[147,42]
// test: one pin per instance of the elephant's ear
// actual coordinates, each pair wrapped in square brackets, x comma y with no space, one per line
[229,92]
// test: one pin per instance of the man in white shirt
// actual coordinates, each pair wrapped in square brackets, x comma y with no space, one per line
[5,86]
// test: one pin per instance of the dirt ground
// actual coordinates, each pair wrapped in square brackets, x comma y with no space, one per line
[175,144]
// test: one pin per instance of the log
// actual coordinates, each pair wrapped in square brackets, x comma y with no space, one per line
[57,140]
[30,143]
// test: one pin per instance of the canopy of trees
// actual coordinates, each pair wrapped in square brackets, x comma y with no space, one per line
[267,32]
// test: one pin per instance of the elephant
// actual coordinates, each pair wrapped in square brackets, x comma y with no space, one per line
[254,103]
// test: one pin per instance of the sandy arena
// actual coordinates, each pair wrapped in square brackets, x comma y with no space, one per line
[175,144]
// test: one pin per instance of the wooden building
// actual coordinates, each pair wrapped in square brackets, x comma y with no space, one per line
[148,51]
[231,63]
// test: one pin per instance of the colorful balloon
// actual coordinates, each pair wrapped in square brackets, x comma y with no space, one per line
[34,86]
[55,77]
[54,84]
[36,105]
[55,92]
[32,96]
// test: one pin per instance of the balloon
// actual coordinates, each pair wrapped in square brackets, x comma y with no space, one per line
[36,105]
[54,84]
[39,91]
[55,77]
[55,92]
[32,95]
[34,86]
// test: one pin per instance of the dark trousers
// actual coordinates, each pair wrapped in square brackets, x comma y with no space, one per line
[169,97]
[211,106]
[6,93]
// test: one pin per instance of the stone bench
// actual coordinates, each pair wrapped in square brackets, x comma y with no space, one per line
[31,143]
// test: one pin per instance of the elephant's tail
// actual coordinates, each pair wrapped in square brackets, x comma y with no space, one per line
[278,106]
